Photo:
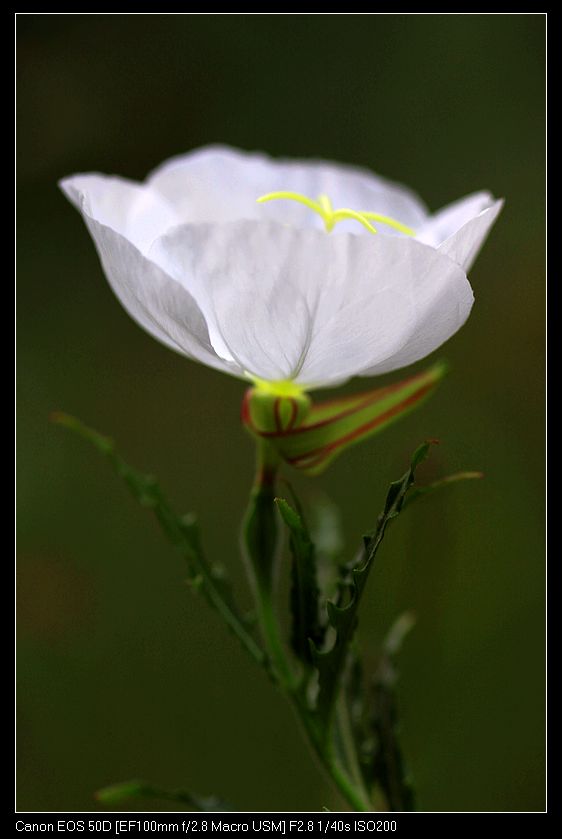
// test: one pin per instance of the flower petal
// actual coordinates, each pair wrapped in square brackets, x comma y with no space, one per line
[407,301]
[450,218]
[131,209]
[159,304]
[305,305]
[465,244]
[248,280]
[459,229]
[219,184]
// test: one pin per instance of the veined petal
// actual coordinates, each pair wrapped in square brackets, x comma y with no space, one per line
[465,244]
[460,229]
[254,283]
[131,209]
[162,306]
[450,218]
[288,303]
[220,184]
[408,302]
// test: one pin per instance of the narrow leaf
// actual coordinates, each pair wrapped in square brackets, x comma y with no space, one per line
[343,618]
[141,789]
[260,537]
[304,591]
[331,427]
[419,492]
[181,531]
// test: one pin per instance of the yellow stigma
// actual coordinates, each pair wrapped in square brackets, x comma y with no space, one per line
[330,217]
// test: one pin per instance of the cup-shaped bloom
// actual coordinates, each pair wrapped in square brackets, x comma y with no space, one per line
[334,272]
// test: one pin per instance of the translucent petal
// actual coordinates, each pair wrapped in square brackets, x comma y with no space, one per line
[287,303]
[221,184]
[460,229]
[162,306]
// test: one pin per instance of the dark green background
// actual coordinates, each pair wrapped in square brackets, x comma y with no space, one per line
[122,671]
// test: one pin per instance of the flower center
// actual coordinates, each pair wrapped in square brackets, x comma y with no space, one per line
[282,387]
[330,216]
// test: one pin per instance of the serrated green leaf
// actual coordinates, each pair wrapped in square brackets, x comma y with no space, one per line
[305,624]
[343,618]
[141,789]
[181,531]
[331,427]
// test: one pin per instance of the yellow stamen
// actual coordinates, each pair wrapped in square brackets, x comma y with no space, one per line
[340,215]
[292,196]
[390,222]
[330,217]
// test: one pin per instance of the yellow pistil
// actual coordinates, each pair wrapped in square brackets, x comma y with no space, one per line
[330,217]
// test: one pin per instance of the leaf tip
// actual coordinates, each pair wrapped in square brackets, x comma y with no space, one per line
[442,367]
[287,513]
[116,792]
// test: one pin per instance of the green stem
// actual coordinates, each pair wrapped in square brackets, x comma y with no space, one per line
[323,749]
[261,543]
[273,641]
[347,789]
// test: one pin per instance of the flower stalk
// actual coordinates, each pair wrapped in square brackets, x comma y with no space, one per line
[261,550]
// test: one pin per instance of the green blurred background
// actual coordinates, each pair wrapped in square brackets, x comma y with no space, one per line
[122,671]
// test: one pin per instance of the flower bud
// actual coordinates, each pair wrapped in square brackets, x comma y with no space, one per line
[309,436]
[265,412]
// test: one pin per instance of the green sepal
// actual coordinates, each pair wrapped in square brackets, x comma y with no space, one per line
[266,412]
[330,428]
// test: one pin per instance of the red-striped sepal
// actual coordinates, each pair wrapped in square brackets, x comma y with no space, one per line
[309,437]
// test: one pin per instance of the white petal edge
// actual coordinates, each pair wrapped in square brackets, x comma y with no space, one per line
[129,208]
[446,221]
[159,304]
[218,184]
[465,244]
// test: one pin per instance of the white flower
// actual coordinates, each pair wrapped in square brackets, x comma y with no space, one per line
[274,290]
